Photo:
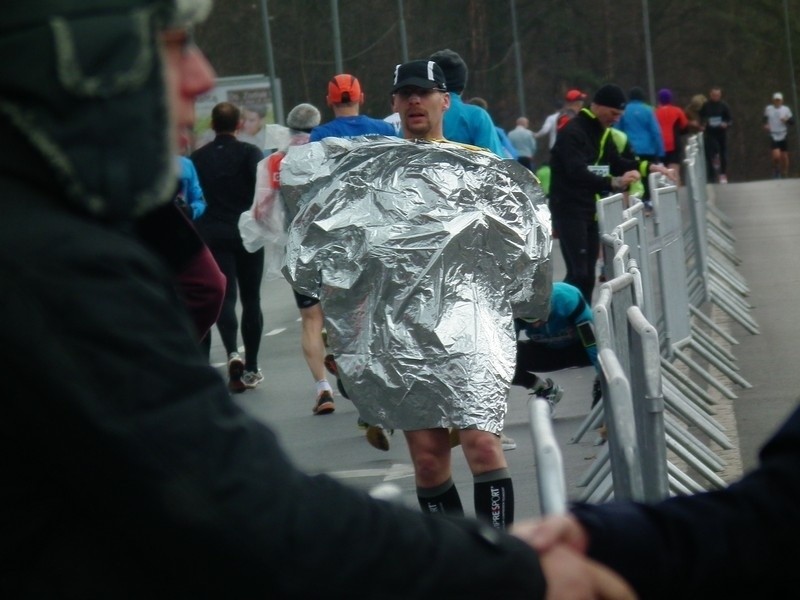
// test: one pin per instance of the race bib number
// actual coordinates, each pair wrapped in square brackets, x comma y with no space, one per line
[601,170]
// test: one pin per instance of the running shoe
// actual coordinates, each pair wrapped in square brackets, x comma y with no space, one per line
[550,392]
[324,405]
[252,378]
[235,373]
[455,437]
[376,436]
[507,442]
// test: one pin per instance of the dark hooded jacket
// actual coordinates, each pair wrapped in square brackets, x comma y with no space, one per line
[128,472]
[583,147]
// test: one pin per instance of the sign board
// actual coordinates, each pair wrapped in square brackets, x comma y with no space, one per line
[251,93]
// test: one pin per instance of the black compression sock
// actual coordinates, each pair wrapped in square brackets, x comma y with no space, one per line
[442,499]
[494,498]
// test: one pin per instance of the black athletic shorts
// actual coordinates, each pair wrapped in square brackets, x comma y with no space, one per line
[304,301]
[781,145]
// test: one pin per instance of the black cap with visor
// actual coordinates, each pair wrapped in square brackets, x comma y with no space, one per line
[424,74]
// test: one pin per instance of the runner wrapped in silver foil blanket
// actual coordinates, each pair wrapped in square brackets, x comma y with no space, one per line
[420,253]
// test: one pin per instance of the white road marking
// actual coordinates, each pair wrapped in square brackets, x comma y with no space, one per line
[275,331]
[397,471]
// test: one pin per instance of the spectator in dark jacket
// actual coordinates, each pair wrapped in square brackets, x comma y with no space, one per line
[585,165]
[740,542]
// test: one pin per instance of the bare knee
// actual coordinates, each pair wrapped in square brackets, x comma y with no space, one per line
[430,454]
[483,451]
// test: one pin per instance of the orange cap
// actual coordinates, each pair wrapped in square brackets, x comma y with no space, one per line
[343,89]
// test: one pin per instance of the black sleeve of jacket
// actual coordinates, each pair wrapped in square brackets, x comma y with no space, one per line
[740,542]
[134,471]
[726,114]
[575,152]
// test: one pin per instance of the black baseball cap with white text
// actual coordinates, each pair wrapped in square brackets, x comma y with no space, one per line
[424,74]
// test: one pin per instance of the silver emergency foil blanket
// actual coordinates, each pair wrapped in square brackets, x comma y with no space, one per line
[420,253]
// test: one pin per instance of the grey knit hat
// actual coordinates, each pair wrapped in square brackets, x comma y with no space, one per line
[303,117]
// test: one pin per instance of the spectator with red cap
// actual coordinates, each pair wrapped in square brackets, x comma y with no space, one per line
[573,102]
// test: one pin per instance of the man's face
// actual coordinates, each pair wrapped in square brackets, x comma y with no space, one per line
[777,102]
[421,111]
[187,75]
[251,122]
[606,115]
[715,95]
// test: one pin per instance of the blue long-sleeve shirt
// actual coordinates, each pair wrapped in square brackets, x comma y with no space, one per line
[470,124]
[644,133]
[190,189]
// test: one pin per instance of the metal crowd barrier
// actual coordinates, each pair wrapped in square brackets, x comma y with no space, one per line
[547,455]
[657,343]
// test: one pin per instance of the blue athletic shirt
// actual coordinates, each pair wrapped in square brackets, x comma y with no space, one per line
[567,310]
[347,127]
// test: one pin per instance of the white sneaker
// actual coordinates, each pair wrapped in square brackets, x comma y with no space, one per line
[723,179]
[507,442]
[251,379]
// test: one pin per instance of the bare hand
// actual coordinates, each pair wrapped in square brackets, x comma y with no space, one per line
[551,531]
[561,542]
[668,173]
[571,576]
[630,177]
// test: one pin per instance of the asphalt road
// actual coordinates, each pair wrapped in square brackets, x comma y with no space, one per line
[766,218]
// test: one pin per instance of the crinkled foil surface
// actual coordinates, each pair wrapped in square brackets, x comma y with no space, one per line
[421,253]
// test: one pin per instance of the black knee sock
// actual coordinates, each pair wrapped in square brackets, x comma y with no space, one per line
[442,499]
[494,498]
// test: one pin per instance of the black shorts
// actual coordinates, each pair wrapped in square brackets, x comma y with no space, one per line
[781,145]
[304,301]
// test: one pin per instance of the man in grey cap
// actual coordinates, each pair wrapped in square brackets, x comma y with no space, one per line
[586,165]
